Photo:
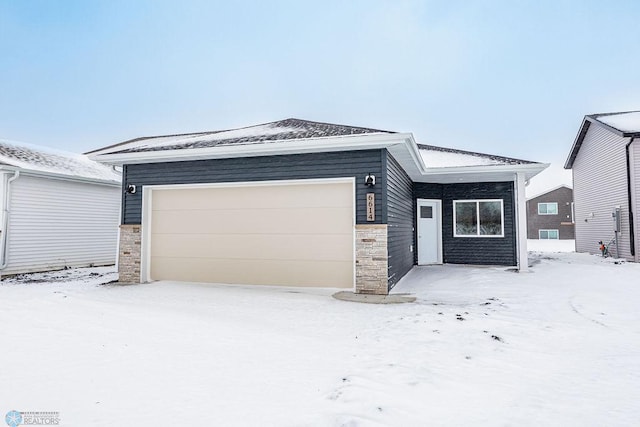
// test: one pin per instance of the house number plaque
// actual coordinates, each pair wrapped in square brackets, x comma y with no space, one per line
[371,207]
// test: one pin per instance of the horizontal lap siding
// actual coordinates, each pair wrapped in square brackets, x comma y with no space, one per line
[59,223]
[356,164]
[562,221]
[400,220]
[599,185]
[479,250]
[473,250]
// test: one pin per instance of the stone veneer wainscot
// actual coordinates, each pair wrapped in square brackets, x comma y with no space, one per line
[371,259]
[129,254]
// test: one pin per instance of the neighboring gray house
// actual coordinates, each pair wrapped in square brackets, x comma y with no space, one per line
[301,203]
[605,160]
[58,210]
[550,215]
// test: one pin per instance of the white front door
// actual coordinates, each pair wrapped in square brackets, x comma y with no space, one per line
[429,232]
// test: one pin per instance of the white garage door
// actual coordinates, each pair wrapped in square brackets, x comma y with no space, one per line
[291,234]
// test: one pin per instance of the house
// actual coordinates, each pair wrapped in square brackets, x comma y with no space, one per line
[58,210]
[550,214]
[605,162]
[303,203]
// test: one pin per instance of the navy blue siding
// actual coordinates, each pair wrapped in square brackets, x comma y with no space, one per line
[296,166]
[474,250]
[400,220]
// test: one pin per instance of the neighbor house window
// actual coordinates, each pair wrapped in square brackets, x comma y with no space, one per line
[548,234]
[478,218]
[548,208]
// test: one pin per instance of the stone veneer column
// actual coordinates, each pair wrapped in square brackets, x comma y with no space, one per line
[129,256]
[371,259]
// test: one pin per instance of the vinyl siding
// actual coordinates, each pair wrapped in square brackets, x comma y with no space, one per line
[600,184]
[58,223]
[563,196]
[356,164]
[474,250]
[400,220]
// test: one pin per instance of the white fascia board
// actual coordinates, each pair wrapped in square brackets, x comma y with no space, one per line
[52,175]
[530,170]
[297,146]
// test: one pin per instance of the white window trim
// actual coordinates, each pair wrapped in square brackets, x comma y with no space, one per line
[548,203]
[547,230]
[477,202]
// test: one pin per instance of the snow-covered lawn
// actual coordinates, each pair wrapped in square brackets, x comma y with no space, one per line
[481,346]
[537,245]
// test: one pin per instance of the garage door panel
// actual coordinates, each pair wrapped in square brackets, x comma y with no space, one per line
[255,272]
[284,234]
[278,196]
[254,221]
[254,246]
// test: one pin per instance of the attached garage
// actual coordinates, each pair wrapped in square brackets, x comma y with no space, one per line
[290,233]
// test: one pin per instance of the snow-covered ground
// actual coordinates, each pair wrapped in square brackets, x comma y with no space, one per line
[481,346]
[536,245]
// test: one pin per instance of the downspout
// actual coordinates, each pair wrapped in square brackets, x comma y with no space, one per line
[5,221]
[631,231]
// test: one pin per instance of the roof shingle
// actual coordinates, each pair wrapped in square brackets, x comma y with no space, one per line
[287,129]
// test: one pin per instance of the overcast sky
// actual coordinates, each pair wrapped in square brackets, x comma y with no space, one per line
[505,77]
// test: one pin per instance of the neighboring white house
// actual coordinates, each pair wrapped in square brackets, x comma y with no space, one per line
[58,210]
[605,160]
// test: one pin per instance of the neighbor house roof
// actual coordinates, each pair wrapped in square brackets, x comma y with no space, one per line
[625,124]
[542,193]
[425,163]
[47,161]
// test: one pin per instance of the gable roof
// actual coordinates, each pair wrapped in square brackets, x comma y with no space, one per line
[47,161]
[434,156]
[551,190]
[295,136]
[282,130]
[625,124]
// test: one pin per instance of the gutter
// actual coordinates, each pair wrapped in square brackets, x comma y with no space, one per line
[4,258]
[629,199]
[64,177]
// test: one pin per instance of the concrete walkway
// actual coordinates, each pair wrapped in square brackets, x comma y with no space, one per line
[374,299]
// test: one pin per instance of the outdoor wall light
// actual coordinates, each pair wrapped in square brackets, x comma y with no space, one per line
[131,188]
[370,180]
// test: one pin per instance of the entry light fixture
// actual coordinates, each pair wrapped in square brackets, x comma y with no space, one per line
[370,180]
[131,188]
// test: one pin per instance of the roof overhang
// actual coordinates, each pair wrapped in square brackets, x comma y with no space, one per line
[489,173]
[61,176]
[272,148]
[402,147]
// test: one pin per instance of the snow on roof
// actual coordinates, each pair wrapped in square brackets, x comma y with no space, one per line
[624,122]
[549,190]
[440,157]
[258,134]
[43,159]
